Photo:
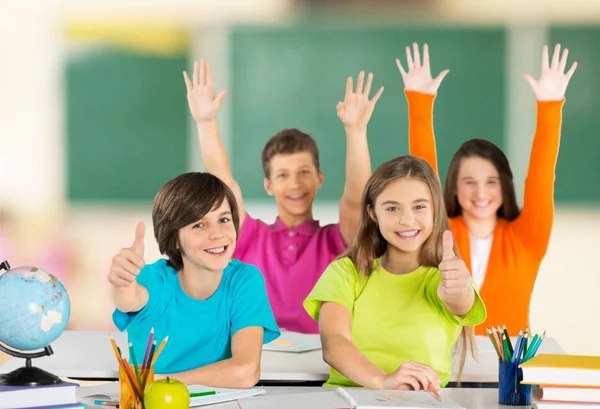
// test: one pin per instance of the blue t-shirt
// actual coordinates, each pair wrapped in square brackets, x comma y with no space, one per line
[199,331]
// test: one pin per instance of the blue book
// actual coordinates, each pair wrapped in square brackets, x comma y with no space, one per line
[38,396]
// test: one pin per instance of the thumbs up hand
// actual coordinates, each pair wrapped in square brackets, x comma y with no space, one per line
[455,288]
[126,265]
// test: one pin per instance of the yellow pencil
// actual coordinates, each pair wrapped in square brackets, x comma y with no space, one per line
[160,348]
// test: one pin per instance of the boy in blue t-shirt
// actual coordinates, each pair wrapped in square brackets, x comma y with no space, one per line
[214,310]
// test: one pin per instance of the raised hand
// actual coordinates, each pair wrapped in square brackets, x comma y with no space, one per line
[356,109]
[553,81]
[418,76]
[126,265]
[203,103]
[412,376]
[456,280]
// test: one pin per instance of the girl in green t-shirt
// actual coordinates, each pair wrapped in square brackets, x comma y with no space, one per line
[392,309]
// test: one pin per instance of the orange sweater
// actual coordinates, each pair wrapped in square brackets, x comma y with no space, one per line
[518,247]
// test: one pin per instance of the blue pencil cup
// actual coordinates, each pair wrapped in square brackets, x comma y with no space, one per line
[510,389]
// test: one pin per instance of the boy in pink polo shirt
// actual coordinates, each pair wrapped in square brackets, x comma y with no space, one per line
[294,251]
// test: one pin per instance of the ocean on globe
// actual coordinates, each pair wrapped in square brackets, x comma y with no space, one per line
[34,308]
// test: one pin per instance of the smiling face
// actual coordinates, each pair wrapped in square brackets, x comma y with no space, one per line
[478,190]
[404,214]
[293,181]
[208,243]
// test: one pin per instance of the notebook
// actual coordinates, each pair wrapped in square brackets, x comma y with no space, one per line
[550,369]
[35,396]
[359,398]
[294,342]
[221,395]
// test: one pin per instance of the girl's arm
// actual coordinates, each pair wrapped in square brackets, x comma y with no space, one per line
[204,107]
[341,354]
[355,112]
[420,89]
[534,224]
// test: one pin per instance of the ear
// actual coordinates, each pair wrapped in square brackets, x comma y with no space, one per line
[268,188]
[372,214]
[321,177]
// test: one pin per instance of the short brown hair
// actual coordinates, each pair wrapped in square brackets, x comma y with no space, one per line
[484,149]
[182,201]
[287,142]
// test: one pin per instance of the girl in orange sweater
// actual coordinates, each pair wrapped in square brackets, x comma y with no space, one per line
[502,245]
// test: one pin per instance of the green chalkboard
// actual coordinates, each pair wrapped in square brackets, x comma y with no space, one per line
[578,165]
[127,124]
[293,76]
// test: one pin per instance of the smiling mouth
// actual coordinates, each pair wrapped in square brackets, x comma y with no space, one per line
[217,251]
[482,204]
[408,234]
[297,197]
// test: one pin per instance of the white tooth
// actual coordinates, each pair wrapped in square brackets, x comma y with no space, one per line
[408,233]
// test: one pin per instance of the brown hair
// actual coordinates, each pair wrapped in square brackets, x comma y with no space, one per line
[370,244]
[182,201]
[287,142]
[485,150]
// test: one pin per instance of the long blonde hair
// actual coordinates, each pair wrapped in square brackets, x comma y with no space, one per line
[369,244]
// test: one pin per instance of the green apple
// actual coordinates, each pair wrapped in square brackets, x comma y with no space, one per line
[167,394]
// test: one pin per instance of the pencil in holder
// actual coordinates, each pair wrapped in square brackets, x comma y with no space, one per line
[132,384]
[511,391]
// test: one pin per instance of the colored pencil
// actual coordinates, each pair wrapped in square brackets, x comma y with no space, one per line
[145,362]
[435,393]
[493,339]
[518,342]
[510,347]
[160,348]
[207,393]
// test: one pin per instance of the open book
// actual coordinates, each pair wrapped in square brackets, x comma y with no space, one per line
[359,398]
[219,395]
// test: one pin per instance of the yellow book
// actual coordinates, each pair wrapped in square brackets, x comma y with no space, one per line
[550,369]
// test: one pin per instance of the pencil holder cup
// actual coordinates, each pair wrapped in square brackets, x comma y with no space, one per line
[510,389]
[132,385]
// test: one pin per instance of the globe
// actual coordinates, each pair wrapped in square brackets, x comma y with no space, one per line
[34,308]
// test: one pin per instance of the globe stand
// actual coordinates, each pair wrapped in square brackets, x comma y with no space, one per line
[27,375]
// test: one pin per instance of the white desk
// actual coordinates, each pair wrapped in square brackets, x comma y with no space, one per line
[291,398]
[99,362]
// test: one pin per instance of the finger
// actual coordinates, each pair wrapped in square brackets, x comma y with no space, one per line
[220,98]
[438,80]
[530,80]
[563,61]
[377,96]
[572,70]
[359,82]
[128,261]
[348,87]
[399,64]
[409,60]
[119,282]
[209,74]
[138,242]
[426,56]
[555,57]
[203,70]
[188,83]
[448,245]
[545,64]
[367,89]
[417,55]
[123,274]
[196,74]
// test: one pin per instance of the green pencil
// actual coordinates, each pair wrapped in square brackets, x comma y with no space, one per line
[207,393]
[507,353]
[134,363]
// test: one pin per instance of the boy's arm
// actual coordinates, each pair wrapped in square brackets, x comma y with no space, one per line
[204,107]
[420,89]
[241,371]
[355,112]
[127,294]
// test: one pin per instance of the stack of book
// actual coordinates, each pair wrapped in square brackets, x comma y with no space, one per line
[57,396]
[566,381]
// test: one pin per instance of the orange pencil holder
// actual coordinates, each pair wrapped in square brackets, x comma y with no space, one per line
[132,386]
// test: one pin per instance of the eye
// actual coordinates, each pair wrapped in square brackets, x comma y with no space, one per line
[470,182]
[305,172]
[282,175]
[391,208]
[420,207]
[198,226]
[224,220]
[492,182]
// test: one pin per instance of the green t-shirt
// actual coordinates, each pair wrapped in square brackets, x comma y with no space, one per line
[395,318]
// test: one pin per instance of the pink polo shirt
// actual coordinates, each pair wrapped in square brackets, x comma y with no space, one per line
[291,261]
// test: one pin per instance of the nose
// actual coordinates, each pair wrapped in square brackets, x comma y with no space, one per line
[215,232]
[406,218]
[480,191]
[294,181]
